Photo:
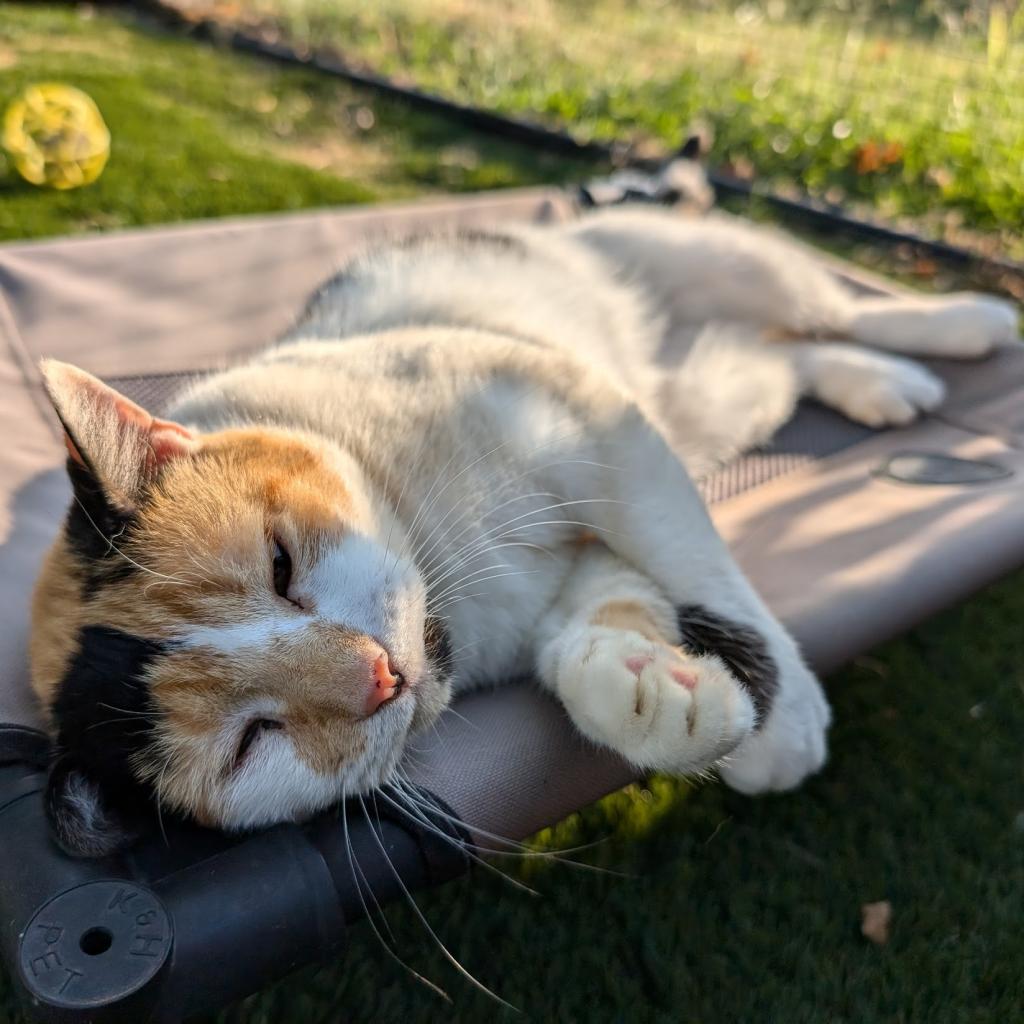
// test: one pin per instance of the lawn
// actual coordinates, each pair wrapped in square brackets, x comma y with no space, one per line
[197,134]
[917,117]
[720,909]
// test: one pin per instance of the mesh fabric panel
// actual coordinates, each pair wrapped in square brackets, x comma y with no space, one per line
[155,392]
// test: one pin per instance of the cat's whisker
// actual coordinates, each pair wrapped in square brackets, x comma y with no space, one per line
[394,518]
[428,568]
[474,577]
[467,848]
[519,399]
[471,555]
[356,869]
[520,849]
[558,463]
[555,522]
[114,721]
[126,711]
[428,502]
[448,955]
[159,803]
[487,490]
[444,601]
[465,470]
[353,867]
[470,513]
[113,547]
[554,507]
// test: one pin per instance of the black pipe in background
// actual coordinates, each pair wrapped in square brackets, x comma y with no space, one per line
[192,919]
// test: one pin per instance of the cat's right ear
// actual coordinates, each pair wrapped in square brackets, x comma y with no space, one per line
[113,443]
[691,149]
[82,821]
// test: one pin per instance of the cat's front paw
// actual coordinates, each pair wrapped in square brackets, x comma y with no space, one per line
[882,391]
[657,706]
[791,742]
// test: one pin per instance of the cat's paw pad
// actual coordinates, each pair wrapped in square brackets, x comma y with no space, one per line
[657,706]
[892,393]
[791,743]
[969,326]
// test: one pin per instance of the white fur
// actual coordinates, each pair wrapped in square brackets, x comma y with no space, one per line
[869,387]
[496,399]
[246,634]
[371,591]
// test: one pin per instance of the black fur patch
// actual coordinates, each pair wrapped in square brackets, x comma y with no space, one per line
[93,526]
[104,716]
[691,149]
[741,647]
[438,645]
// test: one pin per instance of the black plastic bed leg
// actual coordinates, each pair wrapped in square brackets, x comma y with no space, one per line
[178,931]
[76,934]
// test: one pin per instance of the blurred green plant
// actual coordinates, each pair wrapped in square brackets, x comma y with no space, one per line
[198,133]
[915,109]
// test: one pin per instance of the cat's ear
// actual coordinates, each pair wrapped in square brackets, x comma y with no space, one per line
[114,440]
[82,821]
[691,149]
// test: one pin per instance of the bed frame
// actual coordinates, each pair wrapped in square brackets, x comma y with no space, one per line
[851,536]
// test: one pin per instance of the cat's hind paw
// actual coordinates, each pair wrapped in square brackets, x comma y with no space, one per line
[968,326]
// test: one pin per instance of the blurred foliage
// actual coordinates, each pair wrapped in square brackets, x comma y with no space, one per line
[915,109]
[197,133]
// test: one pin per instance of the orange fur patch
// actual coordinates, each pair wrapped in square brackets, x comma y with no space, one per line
[628,615]
[203,541]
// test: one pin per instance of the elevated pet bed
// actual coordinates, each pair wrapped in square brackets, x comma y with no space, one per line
[851,535]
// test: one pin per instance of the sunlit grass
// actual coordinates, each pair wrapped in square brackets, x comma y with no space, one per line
[200,133]
[850,108]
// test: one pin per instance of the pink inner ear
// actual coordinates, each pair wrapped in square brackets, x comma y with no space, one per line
[167,440]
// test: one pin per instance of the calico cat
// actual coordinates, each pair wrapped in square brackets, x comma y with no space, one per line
[452,471]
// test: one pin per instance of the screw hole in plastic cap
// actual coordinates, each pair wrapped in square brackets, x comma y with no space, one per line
[95,941]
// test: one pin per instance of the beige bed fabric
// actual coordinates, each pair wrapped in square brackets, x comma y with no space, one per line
[846,557]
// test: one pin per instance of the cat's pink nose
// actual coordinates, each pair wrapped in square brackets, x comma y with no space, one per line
[384,683]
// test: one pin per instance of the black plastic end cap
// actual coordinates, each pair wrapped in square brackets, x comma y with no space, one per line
[99,945]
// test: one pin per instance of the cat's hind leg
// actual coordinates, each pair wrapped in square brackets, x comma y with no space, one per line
[873,388]
[718,268]
[610,650]
[962,326]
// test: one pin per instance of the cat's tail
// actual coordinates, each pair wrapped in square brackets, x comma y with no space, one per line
[730,394]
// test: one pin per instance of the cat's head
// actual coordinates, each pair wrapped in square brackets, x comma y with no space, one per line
[229,623]
[683,179]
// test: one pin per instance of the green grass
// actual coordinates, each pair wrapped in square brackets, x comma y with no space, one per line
[743,911]
[724,910]
[858,108]
[198,133]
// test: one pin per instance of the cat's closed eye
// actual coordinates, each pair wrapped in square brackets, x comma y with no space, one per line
[252,733]
[282,570]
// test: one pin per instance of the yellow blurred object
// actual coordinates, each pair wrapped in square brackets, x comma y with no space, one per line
[56,136]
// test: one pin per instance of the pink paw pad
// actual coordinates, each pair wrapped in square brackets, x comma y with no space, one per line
[638,663]
[684,678]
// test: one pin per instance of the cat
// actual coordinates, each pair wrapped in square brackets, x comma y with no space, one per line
[453,470]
